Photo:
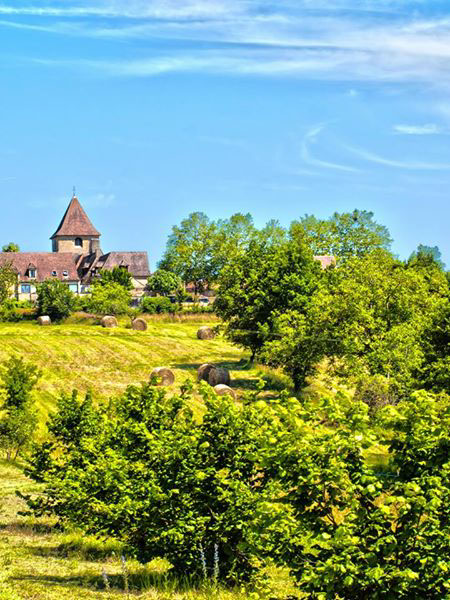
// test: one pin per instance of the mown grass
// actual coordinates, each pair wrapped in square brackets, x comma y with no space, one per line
[81,356]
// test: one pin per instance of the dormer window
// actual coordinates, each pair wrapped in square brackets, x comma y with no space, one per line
[54,273]
[32,273]
[79,242]
[65,273]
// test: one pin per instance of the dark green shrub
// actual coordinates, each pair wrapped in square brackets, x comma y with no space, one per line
[109,299]
[8,311]
[145,471]
[19,418]
[54,299]
[157,305]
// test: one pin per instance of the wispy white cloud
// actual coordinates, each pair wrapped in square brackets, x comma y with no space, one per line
[427,129]
[397,164]
[319,39]
[311,138]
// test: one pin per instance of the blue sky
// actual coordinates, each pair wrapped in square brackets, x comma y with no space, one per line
[158,108]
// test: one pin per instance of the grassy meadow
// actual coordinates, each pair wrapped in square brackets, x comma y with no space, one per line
[39,562]
[80,354]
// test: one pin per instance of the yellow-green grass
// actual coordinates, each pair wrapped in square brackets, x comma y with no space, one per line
[76,355]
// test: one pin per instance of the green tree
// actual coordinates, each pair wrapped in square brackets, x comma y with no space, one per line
[190,251]
[8,281]
[163,282]
[19,418]
[118,275]
[11,247]
[55,299]
[345,234]
[232,238]
[426,256]
[371,312]
[263,283]
[109,299]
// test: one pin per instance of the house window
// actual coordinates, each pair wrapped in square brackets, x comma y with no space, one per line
[73,287]
[25,288]
[65,273]
[32,273]
[78,242]
[54,273]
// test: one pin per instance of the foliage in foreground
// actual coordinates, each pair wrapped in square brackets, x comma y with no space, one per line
[19,417]
[279,479]
[144,471]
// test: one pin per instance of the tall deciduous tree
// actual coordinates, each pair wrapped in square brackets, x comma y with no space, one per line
[345,234]
[190,251]
[371,311]
[263,283]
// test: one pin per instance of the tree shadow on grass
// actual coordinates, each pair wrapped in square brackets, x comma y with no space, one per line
[231,365]
[136,582]
[22,527]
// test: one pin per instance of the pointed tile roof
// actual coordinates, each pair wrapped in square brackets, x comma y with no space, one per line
[75,222]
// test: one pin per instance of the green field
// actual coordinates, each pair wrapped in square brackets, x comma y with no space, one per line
[37,562]
[76,355]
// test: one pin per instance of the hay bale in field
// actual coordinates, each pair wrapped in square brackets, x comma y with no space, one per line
[139,324]
[163,376]
[203,371]
[44,320]
[224,390]
[109,321]
[219,375]
[206,333]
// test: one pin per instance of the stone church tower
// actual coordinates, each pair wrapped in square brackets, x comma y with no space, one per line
[75,233]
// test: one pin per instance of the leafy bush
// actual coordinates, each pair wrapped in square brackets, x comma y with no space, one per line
[143,470]
[54,299]
[347,531]
[157,305]
[163,282]
[19,420]
[118,275]
[8,311]
[8,279]
[109,299]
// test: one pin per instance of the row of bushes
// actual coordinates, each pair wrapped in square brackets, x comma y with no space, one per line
[58,302]
[277,480]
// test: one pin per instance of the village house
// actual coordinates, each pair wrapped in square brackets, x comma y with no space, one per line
[76,258]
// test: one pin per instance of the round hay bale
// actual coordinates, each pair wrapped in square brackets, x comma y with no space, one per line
[109,321]
[139,324]
[203,372]
[224,390]
[219,375]
[206,333]
[163,375]
[44,320]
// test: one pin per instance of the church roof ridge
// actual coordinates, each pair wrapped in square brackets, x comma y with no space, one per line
[75,222]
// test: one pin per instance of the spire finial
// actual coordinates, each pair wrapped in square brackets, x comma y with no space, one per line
[74,192]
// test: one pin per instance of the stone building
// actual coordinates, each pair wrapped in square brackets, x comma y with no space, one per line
[77,258]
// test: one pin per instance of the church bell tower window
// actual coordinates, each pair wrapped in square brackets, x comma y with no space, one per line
[79,242]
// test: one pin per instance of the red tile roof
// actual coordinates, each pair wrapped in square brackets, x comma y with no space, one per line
[75,222]
[136,262]
[44,263]
[326,261]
